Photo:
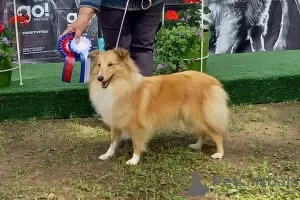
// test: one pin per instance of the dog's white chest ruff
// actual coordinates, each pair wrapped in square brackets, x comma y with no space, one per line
[103,101]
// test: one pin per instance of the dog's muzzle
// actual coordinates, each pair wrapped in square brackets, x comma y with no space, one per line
[104,83]
[100,78]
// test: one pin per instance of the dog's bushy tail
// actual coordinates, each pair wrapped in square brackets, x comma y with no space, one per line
[216,111]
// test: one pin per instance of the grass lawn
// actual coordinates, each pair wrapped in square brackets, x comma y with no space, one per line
[58,159]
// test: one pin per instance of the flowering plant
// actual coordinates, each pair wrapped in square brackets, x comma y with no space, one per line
[7,35]
[180,34]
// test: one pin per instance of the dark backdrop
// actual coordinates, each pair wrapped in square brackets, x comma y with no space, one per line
[49,18]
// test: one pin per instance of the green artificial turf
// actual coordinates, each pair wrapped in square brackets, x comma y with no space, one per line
[248,78]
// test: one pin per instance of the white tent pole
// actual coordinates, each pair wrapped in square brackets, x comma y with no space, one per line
[18,43]
[202,29]
[163,16]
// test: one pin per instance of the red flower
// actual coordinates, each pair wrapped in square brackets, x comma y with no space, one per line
[26,17]
[15,19]
[1,28]
[12,20]
[23,19]
[25,23]
[172,15]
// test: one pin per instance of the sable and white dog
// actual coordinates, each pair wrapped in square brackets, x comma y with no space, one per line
[234,21]
[138,106]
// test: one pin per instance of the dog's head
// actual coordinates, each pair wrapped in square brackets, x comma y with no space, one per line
[110,65]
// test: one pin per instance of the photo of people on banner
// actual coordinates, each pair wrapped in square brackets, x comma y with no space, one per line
[242,26]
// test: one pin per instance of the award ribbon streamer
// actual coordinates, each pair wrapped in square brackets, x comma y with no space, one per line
[82,50]
[70,50]
[69,57]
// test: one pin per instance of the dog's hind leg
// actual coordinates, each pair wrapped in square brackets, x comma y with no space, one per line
[115,140]
[202,136]
[216,114]
[199,143]
[191,119]
[219,143]
[202,132]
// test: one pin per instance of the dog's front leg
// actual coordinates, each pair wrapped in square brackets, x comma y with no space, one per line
[139,140]
[280,44]
[115,140]
[227,35]
[298,5]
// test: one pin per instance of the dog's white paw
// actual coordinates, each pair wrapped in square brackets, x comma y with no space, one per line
[195,146]
[134,160]
[217,156]
[105,156]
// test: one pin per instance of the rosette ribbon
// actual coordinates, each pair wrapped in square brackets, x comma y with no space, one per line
[63,47]
[72,51]
[82,50]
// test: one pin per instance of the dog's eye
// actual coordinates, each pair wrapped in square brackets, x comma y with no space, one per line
[99,65]
[110,64]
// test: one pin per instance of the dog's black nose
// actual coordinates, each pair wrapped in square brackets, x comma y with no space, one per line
[100,78]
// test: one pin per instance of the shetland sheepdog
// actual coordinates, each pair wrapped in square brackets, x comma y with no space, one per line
[136,106]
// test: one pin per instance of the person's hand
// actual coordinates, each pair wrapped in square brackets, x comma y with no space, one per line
[81,23]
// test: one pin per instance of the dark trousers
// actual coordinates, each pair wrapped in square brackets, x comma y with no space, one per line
[137,35]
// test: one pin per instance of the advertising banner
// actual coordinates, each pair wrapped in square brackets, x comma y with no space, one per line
[47,21]
[38,40]
[2,6]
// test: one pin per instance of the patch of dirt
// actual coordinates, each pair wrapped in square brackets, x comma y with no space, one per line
[271,130]
[58,159]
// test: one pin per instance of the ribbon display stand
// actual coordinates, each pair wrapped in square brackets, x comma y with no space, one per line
[18,49]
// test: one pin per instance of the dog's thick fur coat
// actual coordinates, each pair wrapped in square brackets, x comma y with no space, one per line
[137,106]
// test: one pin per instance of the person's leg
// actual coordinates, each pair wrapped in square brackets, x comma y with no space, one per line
[143,29]
[110,20]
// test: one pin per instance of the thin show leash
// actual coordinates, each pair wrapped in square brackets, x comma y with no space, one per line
[124,15]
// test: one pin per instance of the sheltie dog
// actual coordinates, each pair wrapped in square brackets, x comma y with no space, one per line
[136,106]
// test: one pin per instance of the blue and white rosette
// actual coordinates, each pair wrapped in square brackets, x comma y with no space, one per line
[81,50]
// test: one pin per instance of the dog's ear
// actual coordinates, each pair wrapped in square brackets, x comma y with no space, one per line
[122,53]
[93,54]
